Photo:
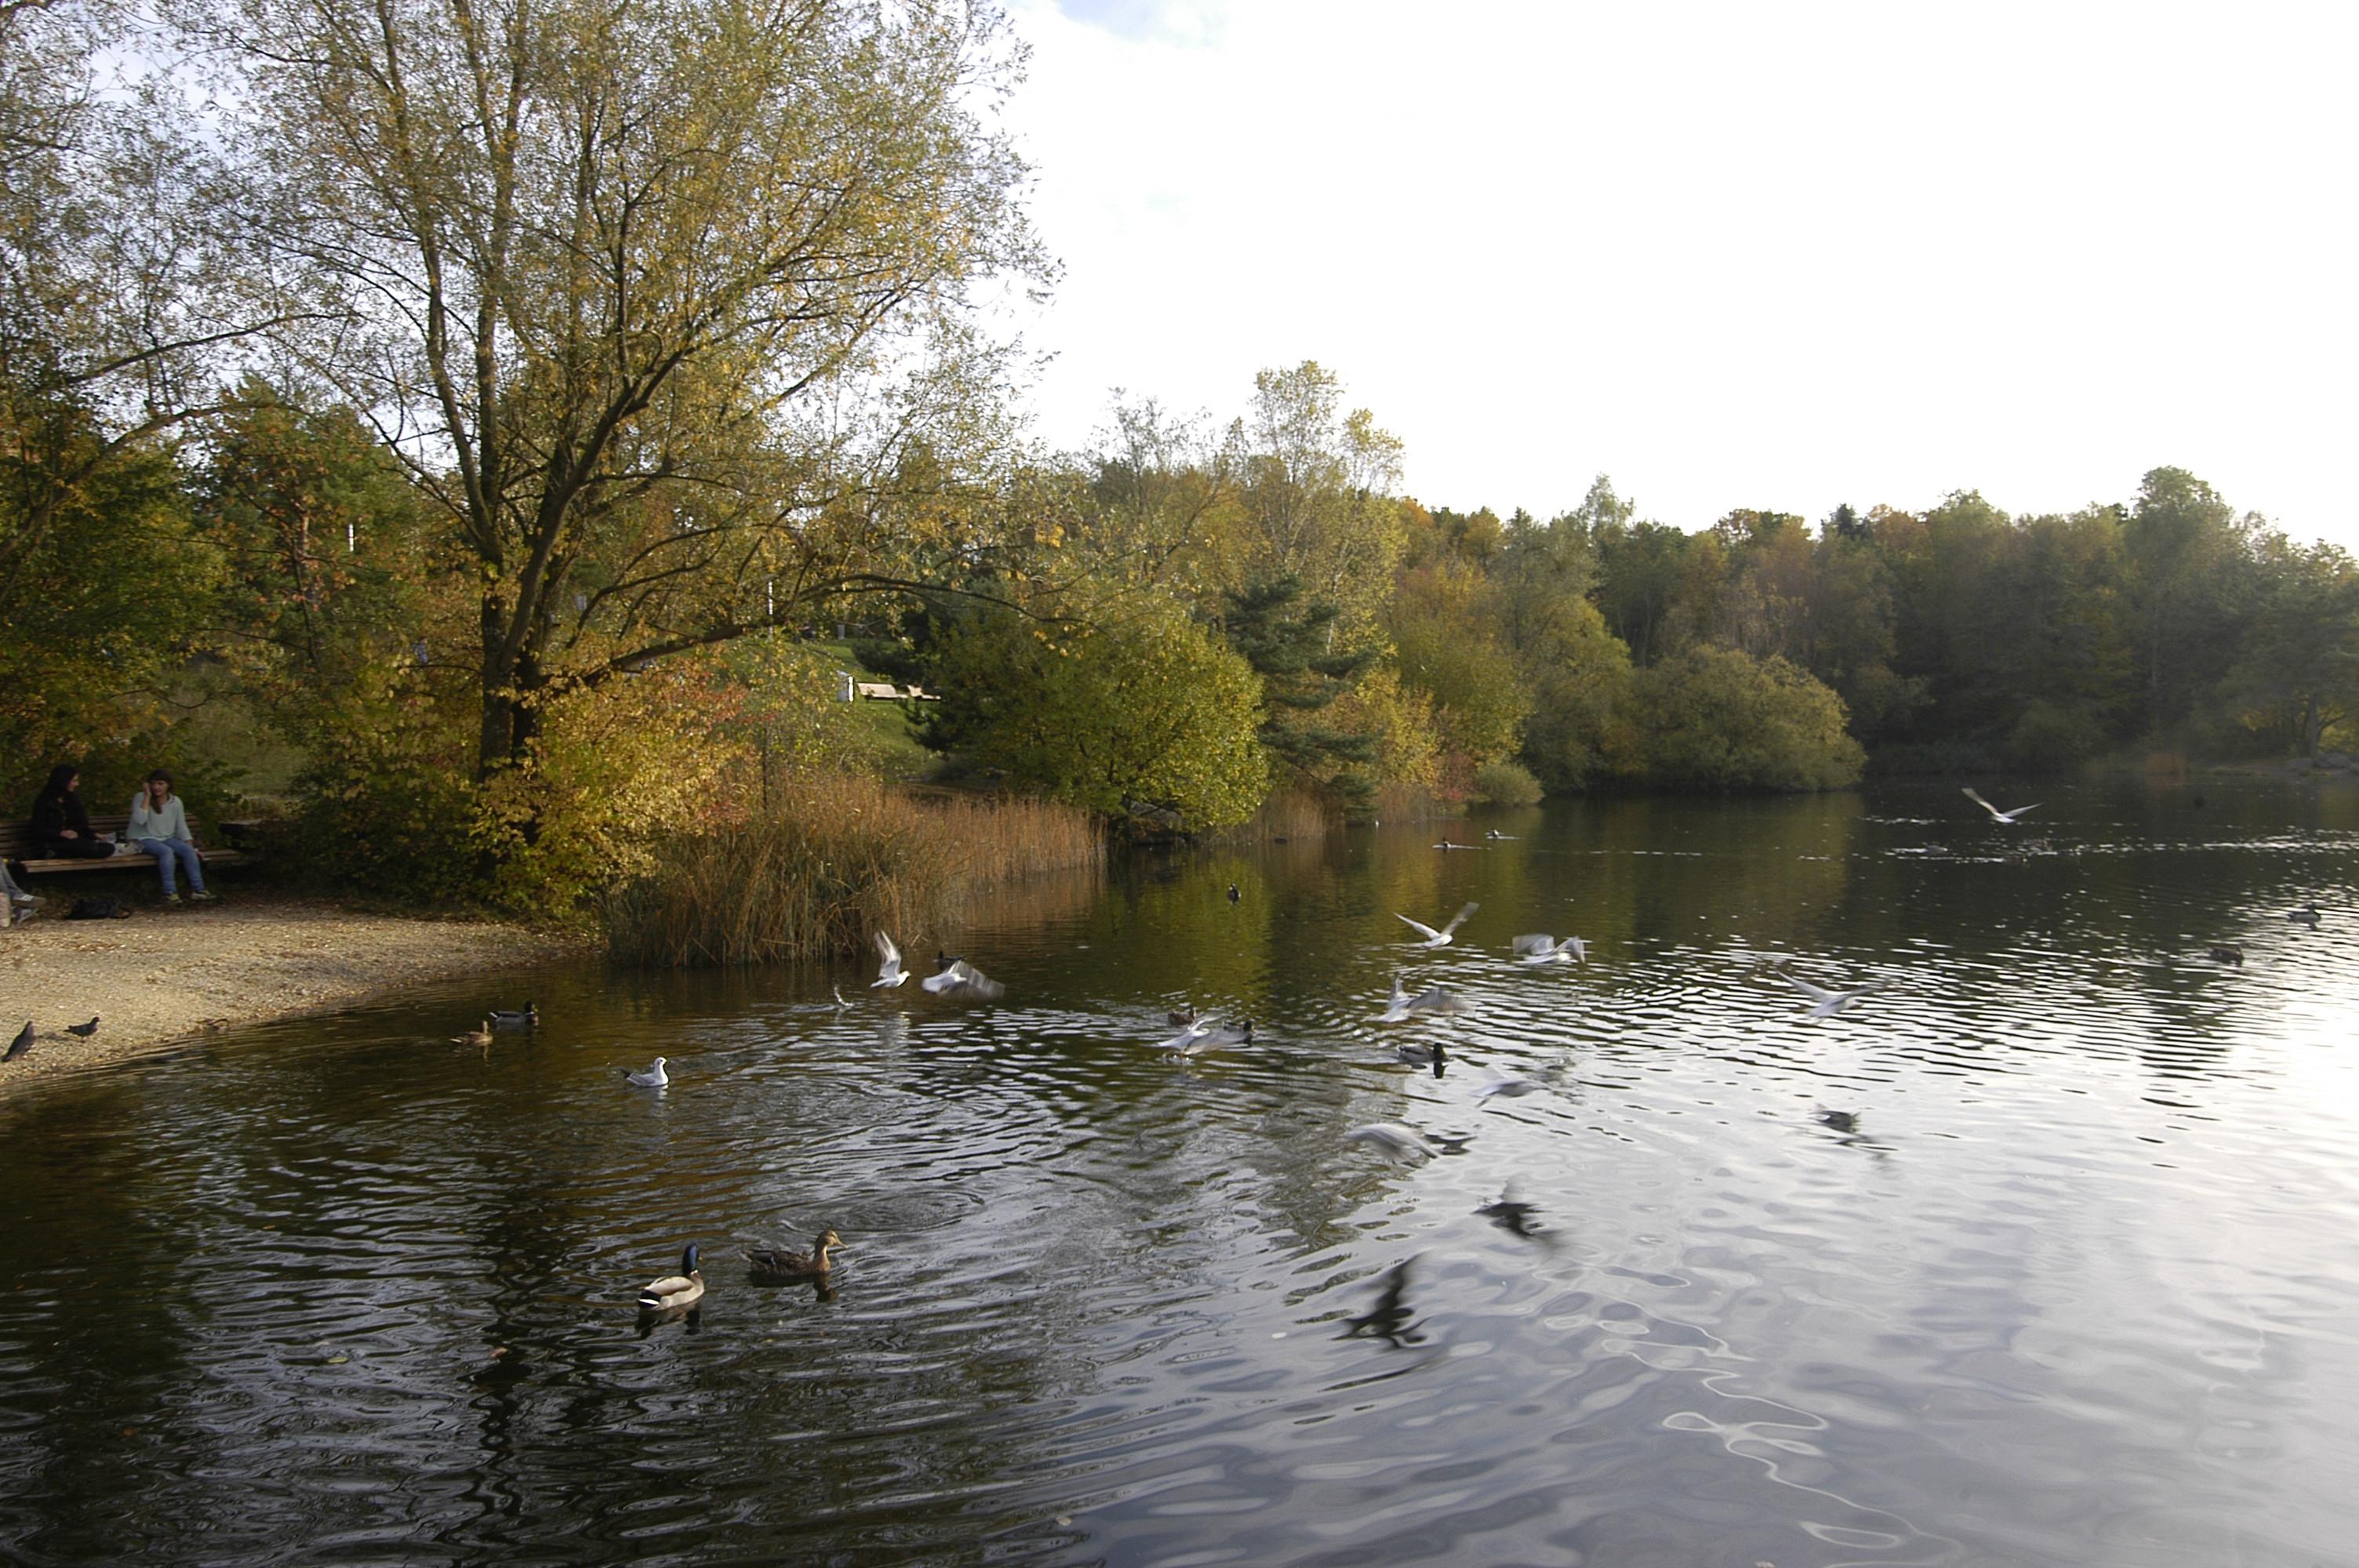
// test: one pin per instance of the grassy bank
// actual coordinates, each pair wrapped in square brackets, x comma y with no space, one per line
[837,856]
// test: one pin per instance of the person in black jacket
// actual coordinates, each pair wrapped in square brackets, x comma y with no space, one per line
[60,825]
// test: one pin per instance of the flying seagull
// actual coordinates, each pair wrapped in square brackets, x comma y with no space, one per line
[1405,1142]
[1439,938]
[889,972]
[1539,949]
[1828,1003]
[1996,815]
[959,978]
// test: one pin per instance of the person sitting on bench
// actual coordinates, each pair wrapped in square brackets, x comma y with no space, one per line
[159,827]
[62,825]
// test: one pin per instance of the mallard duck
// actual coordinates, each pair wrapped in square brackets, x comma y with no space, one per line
[525,1017]
[1441,938]
[655,1077]
[1422,1056]
[479,1035]
[672,1291]
[1180,1017]
[772,1264]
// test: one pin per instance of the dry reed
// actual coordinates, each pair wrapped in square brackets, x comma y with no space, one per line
[838,856]
[1288,815]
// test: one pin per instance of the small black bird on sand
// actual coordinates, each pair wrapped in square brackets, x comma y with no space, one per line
[22,1044]
[84,1030]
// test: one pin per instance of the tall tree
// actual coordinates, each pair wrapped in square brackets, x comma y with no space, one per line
[650,298]
[1318,494]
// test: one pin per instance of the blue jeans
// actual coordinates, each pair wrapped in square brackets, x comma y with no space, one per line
[171,853]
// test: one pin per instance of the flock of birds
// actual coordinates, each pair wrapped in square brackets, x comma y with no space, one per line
[1198,1033]
[23,1043]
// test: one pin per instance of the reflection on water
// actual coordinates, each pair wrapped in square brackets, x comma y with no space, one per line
[2042,1253]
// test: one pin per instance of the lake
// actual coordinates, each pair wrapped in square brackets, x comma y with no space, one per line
[2046,1251]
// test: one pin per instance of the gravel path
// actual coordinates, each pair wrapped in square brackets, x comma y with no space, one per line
[163,976]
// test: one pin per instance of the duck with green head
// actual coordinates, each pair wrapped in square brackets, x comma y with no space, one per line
[673,1291]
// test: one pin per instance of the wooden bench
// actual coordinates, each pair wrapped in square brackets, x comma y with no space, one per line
[16,838]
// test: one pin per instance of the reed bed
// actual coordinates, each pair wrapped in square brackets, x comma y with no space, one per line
[837,856]
[1288,815]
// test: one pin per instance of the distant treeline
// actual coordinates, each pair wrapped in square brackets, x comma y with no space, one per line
[459,423]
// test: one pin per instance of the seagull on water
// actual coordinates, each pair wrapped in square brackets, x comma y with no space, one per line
[1828,1003]
[1540,948]
[2007,818]
[655,1077]
[1494,834]
[1446,844]
[889,972]
[1439,938]
[2306,915]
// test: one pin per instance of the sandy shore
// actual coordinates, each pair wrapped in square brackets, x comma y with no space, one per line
[164,975]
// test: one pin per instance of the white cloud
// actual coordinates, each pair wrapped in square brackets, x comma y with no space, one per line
[1736,255]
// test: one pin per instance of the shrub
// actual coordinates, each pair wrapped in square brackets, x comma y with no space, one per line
[1716,719]
[1506,783]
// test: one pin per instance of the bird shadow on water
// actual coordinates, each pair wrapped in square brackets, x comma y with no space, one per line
[1391,1318]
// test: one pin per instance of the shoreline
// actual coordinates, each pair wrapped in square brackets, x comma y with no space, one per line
[163,979]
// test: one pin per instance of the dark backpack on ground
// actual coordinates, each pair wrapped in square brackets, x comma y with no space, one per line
[98,909]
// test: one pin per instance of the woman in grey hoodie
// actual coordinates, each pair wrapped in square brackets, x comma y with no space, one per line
[160,825]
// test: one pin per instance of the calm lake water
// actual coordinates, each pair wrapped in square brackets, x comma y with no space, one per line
[2046,1253]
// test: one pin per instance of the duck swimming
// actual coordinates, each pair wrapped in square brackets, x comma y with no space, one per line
[479,1035]
[773,1265]
[525,1017]
[672,1291]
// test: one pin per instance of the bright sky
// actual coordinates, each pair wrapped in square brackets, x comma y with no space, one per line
[1733,255]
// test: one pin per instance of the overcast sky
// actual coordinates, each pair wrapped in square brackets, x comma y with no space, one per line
[1733,255]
